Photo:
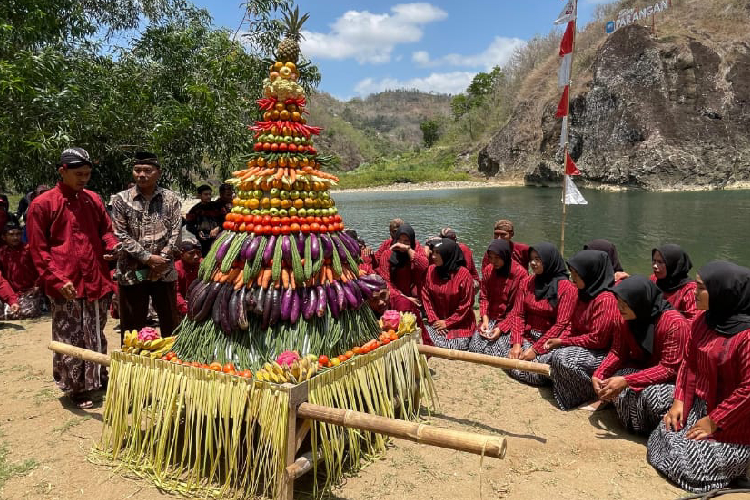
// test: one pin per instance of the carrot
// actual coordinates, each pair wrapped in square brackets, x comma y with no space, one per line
[284,278]
[307,169]
[266,278]
[215,275]
[329,274]
[279,173]
[231,276]
[238,173]
[343,278]
[238,281]
[293,174]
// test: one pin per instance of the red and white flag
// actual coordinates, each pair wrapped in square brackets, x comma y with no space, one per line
[562,106]
[563,73]
[568,13]
[564,132]
[570,166]
[566,44]
[572,195]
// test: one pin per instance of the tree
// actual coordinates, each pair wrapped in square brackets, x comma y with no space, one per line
[180,88]
[430,132]
[460,105]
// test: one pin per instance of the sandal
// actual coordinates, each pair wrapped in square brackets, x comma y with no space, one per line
[81,402]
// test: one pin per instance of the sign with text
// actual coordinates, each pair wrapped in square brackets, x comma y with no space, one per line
[630,16]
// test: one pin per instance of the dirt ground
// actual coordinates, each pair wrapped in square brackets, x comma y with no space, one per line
[44,442]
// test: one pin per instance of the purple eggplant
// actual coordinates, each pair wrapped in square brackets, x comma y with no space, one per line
[267,306]
[296,306]
[366,290]
[309,301]
[196,296]
[351,298]
[354,289]
[314,247]
[340,248]
[224,248]
[242,322]
[286,304]
[233,310]
[244,247]
[252,249]
[205,308]
[350,243]
[373,280]
[333,301]
[260,300]
[249,300]
[275,307]
[286,250]
[320,307]
[268,252]
[300,239]
[327,246]
[340,297]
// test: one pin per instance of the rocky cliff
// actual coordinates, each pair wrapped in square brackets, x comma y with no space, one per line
[661,113]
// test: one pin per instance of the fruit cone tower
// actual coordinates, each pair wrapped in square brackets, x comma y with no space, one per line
[283,275]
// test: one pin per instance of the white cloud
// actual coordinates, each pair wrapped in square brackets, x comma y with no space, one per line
[445,83]
[368,37]
[496,54]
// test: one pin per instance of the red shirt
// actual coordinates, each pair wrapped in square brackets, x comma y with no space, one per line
[682,299]
[671,334]
[367,264]
[469,261]
[68,233]
[595,323]
[7,294]
[519,253]
[185,276]
[531,314]
[717,370]
[406,280]
[497,294]
[380,251]
[18,267]
[451,300]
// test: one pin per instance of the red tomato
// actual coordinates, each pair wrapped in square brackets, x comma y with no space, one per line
[294,227]
[286,229]
[285,221]
[323,228]
[276,230]
[257,219]
[227,368]
[266,219]
[323,360]
[305,228]
[247,219]
[315,227]
[326,220]
[267,229]
[310,219]
[258,229]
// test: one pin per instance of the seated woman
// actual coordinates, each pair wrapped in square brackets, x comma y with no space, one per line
[501,279]
[596,322]
[645,358]
[703,442]
[671,266]
[448,298]
[611,250]
[403,266]
[543,310]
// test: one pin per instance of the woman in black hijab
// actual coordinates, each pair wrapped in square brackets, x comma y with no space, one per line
[703,443]
[543,310]
[501,279]
[448,297]
[671,266]
[611,250]
[403,266]
[595,324]
[640,370]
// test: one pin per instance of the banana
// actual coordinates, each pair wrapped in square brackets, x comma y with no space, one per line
[296,369]
[277,368]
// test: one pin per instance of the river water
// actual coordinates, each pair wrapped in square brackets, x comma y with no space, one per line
[708,224]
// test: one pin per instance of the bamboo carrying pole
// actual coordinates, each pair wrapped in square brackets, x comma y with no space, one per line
[77,352]
[492,446]
[484,359]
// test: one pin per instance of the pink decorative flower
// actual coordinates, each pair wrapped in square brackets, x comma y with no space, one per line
[148,333]
[287,358]
[391,320]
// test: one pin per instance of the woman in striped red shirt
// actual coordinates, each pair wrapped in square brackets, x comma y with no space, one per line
[671,266]
[501,279]
[448,297]
[639,372]
[543,310]
[596,322]
[403,266]
[703,443]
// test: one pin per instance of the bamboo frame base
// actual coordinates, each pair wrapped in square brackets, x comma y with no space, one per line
[301,413]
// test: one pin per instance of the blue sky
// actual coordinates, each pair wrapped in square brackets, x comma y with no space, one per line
[365,46]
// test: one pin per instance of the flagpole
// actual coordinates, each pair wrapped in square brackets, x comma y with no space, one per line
[567,133]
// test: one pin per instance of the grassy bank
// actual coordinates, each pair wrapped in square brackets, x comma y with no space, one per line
[432,165]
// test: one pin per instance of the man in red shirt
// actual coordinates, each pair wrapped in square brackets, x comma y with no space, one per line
[70,237]
[187,271]
[18,269]
[393,227]
[519,251]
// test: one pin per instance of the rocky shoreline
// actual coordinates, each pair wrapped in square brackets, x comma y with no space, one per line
[434,186]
